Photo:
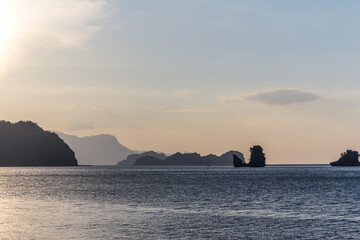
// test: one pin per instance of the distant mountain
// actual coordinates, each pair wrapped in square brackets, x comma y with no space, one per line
[27,144]
[190,159]
[96,150]
[131,159]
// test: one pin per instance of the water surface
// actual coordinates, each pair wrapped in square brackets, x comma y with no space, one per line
[277,202]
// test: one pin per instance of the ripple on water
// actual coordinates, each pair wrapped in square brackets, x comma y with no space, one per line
[180,203]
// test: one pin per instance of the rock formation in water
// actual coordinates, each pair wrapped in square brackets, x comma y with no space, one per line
[257,158]
[100,149]
[238,162]
[26,144]
[348,158]
[225,159]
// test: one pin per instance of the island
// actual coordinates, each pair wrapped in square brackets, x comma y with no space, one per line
[181,159]
[349,158]
[132,158]
[257,158]
[26,144]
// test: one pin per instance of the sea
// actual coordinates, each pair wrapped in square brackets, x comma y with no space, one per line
[103,202]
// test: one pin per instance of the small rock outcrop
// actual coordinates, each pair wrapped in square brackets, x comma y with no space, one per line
[257,158]
[348,158]
[226,159]
[238,162]
[27,144]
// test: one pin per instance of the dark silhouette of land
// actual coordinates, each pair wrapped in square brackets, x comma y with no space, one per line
[348,158]
[132,158]
[101,149]
[27,144]
[187,159]
[257,158]
[226,159]
[238,162]
[148,160]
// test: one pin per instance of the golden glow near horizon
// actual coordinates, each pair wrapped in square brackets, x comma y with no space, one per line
[209,76]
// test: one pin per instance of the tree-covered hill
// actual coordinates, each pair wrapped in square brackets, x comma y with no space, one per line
[26,144]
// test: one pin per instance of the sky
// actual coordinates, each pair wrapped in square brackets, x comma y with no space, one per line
[188,75]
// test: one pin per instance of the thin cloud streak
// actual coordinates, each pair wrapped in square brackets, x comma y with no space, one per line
[277,97]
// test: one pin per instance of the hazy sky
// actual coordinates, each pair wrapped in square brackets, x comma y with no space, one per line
[205,76]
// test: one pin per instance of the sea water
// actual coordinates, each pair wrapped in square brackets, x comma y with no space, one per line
[276,202]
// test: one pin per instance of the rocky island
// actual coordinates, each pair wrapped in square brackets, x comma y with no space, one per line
[257,158]
[348,158]
[132,158]
[27,144]
[180,159]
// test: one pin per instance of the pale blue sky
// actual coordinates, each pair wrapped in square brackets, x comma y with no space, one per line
[206,76]
[209,44]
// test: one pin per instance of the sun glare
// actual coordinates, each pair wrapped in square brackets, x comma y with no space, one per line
[28,26]
[8,21]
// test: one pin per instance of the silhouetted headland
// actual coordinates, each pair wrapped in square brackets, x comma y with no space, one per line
[257,158]
[348,158]
[186,159]
[27,144]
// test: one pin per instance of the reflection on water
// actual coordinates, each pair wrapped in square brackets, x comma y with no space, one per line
[180,203]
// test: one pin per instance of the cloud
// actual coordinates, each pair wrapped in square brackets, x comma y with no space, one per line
[278,97]
[81,126]
[35,25]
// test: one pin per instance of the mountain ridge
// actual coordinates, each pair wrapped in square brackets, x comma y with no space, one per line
[189,159]
[102,149]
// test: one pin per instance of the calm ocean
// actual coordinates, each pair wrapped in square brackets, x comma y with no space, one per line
[276,202]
